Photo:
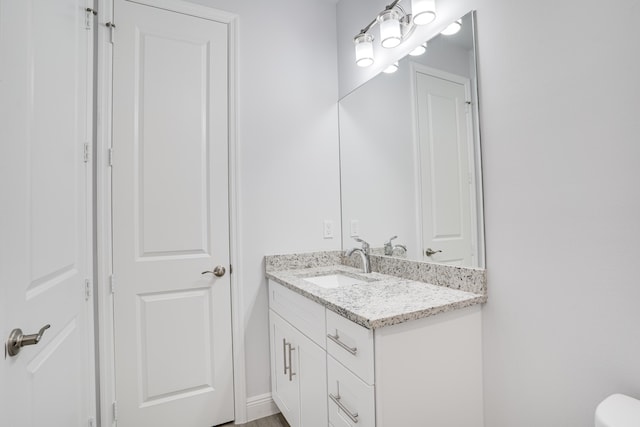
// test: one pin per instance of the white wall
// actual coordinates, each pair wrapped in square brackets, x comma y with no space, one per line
[559,93]
[288,145]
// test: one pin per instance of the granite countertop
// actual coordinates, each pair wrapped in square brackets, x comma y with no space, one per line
[382,301]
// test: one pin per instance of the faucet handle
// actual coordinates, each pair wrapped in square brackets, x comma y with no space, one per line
[365,245]
[388,248]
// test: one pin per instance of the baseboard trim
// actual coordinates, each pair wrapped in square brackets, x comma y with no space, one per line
[260,406]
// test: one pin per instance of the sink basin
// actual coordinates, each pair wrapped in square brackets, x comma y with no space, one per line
[335,280]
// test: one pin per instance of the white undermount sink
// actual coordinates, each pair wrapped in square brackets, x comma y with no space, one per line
[335,280]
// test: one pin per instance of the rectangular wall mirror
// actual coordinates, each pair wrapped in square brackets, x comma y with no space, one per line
[410,156]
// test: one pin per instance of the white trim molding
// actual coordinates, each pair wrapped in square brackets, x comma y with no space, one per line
[237,300]
[104,312]
[261,406]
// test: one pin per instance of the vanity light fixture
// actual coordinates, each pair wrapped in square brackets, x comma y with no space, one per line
[395,26]
[419,50]
[364,49]
[424,11]
[391,68]
[452,28]
[390,32]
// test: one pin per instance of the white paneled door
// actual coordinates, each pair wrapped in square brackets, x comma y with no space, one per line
[445,144]
[45,178]
[173,353]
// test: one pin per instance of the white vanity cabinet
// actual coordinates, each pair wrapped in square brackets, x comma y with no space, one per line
[422,372]
[298,364]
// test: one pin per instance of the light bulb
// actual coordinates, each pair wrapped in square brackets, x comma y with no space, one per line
[423,11]
[419,50]
[391,68]
[452,28]
[390,33]
[364,49]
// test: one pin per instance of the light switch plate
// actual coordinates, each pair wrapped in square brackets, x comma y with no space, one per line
[355,228]
[328,229]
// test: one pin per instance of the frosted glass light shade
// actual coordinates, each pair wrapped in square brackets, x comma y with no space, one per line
[423,11]
[364,49]
[390,33]
[452,28]
[391,68]
[419,50]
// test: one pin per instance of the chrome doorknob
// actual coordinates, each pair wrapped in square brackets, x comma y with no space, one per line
[17,340]
[430,252]
[218,271]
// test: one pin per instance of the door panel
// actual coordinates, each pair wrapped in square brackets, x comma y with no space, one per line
[173,79]
[173,355]
[45,113]
[66,348]
[444,154]
[175,369]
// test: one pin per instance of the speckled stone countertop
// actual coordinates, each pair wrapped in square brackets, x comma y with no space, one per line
[382,301]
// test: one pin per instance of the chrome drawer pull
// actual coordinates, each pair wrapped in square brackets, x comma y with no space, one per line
[336,339]
[352,416]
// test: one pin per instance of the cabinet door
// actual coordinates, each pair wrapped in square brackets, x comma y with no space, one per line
[312,374]
[284,364]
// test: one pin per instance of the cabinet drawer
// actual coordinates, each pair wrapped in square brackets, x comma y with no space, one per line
[352,345]
[307,316]
[351,400]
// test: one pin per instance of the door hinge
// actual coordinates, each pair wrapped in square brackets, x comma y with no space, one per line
[115,410]
[112,27]
[110,156]
[88,290]
[112,281]
[90,14]
[86,152]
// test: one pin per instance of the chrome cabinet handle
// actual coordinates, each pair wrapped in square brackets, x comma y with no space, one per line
[336,339]
[353,416]
[218,271]
[17,340]
[291,373]
[430,252]
[287,345]
[284,354]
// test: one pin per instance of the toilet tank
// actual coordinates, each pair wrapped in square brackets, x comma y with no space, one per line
[618,410]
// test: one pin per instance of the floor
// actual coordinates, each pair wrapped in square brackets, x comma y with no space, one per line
[276,420]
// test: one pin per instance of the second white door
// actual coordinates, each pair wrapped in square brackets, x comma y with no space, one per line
[173,353]
[445,144]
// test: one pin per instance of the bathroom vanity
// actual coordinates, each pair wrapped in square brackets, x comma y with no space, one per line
[400,346]
[354,349]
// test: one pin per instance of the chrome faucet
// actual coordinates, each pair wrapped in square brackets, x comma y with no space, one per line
[364,253]
[389,248]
